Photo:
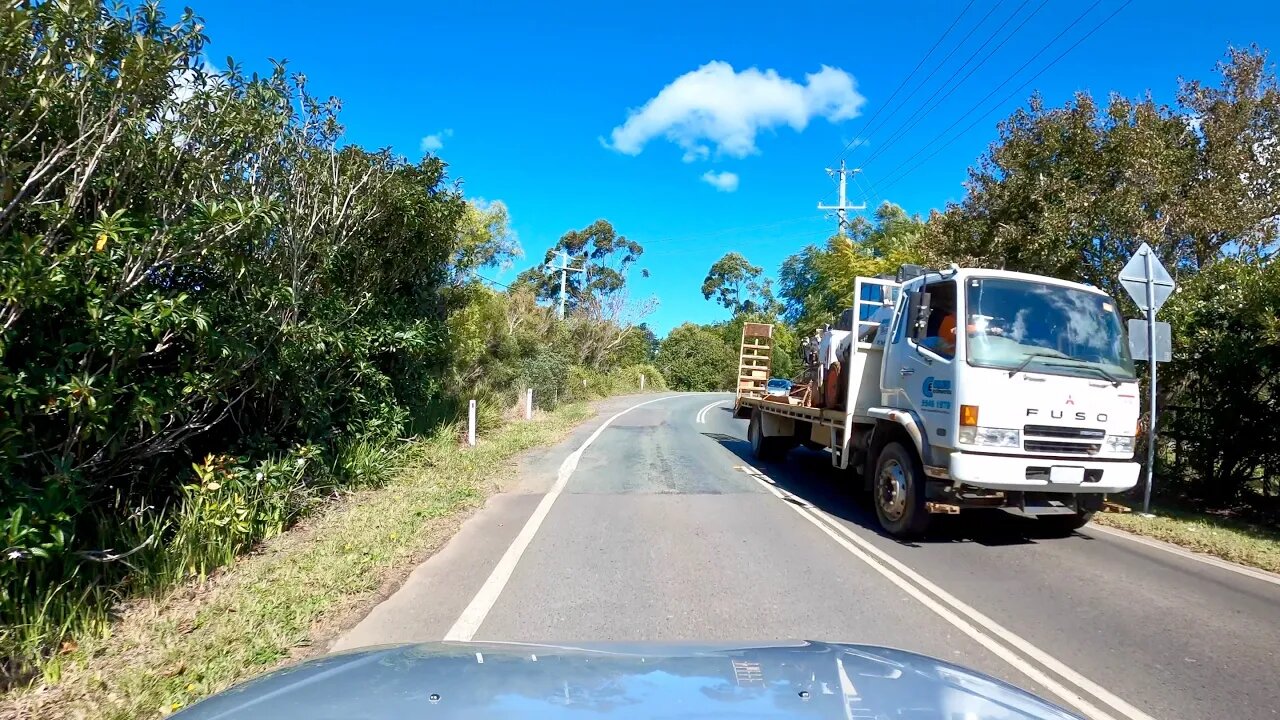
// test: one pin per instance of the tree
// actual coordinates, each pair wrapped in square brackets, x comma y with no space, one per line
[605,255]
[1225,379]
[600,325]
[737,285]
[485,240]
[638,346]
[817,284]
[696,358]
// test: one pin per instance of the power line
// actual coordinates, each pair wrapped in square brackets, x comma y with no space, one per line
[726,231]
[921,112]
[868,131]
[997,106]
[492,281]
[818,237]
[1007,80]
[875,188]
[906,79]
[925,109]
[865,195]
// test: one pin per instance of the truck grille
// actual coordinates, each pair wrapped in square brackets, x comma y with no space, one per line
[1059,440]
[1054,431]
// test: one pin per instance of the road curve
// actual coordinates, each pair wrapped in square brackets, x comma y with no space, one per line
[665,528]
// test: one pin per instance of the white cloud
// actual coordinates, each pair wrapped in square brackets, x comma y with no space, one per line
[718,106]
[433,143]
[722,181]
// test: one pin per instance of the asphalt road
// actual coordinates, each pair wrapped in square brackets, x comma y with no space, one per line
[664,531]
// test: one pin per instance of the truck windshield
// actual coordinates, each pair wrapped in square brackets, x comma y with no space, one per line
[1045,328]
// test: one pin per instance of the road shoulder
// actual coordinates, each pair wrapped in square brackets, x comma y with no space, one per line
[439,588]
[1233,542]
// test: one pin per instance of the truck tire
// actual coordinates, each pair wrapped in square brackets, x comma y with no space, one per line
[899,492]
[767,449]
[1063,525]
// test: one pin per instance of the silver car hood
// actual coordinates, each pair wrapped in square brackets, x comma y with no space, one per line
[480,681]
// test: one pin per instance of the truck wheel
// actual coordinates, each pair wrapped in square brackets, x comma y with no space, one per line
[1063,525]
[899,492]
[763,448]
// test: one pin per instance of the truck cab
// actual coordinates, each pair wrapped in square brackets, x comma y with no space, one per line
[1015,383]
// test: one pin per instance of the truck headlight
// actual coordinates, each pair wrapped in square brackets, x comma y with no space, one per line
[1120,443]
[992,437]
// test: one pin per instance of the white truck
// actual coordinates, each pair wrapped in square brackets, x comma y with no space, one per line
[1029,404]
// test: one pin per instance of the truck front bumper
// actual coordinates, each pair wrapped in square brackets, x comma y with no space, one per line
[1038,474]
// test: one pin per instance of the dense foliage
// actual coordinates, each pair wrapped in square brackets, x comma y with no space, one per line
[695,357]
[817,284]
[214,314]
[600,258]
[739,286]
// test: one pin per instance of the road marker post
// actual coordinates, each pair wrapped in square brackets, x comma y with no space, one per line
[471,423]
[528,404]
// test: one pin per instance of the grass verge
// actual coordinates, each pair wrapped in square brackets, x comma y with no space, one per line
[1234,540]
[270,606]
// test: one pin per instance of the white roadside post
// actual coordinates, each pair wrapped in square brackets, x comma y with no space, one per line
[641,382]
[1149,284]
[528,404]
[471,423]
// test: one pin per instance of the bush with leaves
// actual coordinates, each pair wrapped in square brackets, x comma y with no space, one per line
[694,357]
[197,283]
[1225,379]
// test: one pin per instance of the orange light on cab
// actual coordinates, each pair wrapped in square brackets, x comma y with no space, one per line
[968,415]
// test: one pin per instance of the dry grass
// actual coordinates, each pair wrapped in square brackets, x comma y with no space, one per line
[281,602]
[1229,539]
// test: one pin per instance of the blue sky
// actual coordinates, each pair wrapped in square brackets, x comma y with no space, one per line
[523,100]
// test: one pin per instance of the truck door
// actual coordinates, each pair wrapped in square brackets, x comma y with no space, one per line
[919,366]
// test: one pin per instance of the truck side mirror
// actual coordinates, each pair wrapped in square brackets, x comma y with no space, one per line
[918,315]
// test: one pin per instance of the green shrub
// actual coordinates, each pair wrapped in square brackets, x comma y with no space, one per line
[204,283]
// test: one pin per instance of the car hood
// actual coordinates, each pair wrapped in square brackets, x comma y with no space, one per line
[499,680]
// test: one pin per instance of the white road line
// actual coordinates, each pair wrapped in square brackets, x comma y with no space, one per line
[856,545]
[702,414]
[465,627]
[1254,573]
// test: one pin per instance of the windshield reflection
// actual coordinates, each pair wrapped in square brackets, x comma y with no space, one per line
[1019,324]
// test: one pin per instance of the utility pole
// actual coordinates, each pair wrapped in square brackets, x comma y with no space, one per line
[564,269]
[844,206]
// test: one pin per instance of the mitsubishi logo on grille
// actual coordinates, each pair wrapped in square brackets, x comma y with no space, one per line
[1070,401]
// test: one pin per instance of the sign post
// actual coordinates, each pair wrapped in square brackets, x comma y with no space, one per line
[1147,281]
